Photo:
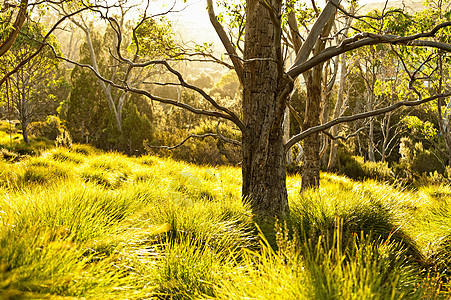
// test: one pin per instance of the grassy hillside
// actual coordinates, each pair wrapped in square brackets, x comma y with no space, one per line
[84,224]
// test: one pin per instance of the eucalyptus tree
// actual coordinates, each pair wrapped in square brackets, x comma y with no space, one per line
[31,90]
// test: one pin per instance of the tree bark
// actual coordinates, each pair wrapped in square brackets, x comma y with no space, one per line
[337,111]
[312,143]
[264,175]
[286,134]
[371,156]
[24,124]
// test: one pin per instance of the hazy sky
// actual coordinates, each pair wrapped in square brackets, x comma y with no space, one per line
[192,22]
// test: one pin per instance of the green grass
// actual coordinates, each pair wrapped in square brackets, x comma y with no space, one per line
[82,224]
[11,139]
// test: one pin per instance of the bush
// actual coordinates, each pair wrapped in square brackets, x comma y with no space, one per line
[208,150]
[49,129]
[64,140]
[356,168]
[136,127]
[419,165]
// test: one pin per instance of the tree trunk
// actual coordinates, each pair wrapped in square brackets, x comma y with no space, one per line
[312,143]
[25,131]
[337,112]
[286,134]
[264,175]
[371,156]
[106,89]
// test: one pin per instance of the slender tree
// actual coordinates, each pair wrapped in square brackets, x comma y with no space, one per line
[31,88]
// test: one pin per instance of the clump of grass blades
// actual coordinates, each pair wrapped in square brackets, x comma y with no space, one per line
[191,268]
[44,172]
[314,214]
[193,186]
[10,175]
[102,177]
[37,264]
[65,155]
[362,267]
[81,212]
[440,260]
[266,274]
[84,149]
[110,170]
[223,225]
[147,160]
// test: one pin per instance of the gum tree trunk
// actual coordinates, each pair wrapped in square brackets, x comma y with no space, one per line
[24,124]
[312,143]
[264,177]
[337,112]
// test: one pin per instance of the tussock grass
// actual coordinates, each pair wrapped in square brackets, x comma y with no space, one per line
[79,223]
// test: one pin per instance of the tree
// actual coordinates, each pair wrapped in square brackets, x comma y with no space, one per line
[31,89]
[267,86]
[85,110]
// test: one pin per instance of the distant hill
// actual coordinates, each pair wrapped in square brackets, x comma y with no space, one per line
[408,5]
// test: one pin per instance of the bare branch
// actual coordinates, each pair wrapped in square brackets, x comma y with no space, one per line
[132,64]
[383,15]
[366,39]
[43,44]
[239,69]
[208,57]
[295,113]
[294,29]
[325,16]
[298,137]
[199,136]
[344,138]
[225,139]
[223,113]
[20,19]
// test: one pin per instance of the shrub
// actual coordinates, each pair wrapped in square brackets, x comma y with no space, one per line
[136,127]
[208,150]
[356,168]
[49,129]
[416,160]
[64,140]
